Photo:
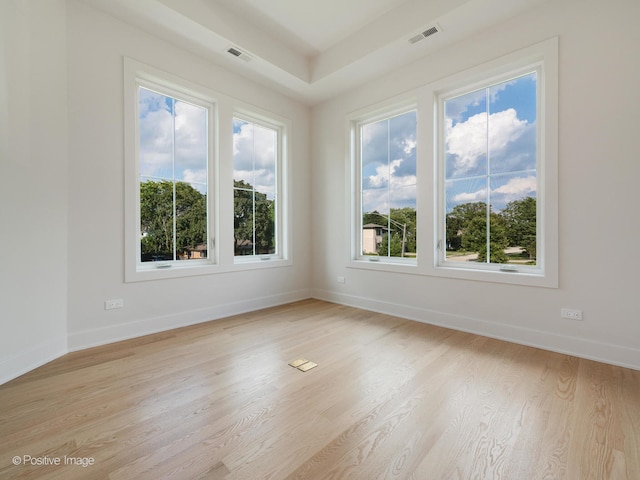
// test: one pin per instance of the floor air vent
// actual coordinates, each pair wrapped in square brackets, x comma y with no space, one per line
[303,364]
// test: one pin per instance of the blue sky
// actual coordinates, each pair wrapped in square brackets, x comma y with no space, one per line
[490,150]
[490,144]
[173,140]
[173,145]
[254,156]
[389,163]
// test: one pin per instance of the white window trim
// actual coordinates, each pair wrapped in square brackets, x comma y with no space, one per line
[220,176]
[544,58]
[388,109]
[428,191]
[282,127]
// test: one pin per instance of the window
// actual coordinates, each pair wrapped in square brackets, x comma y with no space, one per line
[484,205]
[179,197]
[169,175]
[385,151]
[173,180]
[255,188]
[490,181]
[496,143]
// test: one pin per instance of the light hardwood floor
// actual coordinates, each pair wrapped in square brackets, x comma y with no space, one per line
[390,399]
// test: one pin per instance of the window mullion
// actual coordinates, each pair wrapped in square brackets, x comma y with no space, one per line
[488,110]
[173,175]
[389,187]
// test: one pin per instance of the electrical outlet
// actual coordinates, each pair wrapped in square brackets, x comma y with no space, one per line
[115,303]
[341,279]
[571,314]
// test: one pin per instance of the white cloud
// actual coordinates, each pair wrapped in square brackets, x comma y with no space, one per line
[157,137]
[516,188]
[409,145]
[467,141]
[387,173]
[467,197]
[195,176]
[155,142]
[254,156]
[403,189]
[190,136]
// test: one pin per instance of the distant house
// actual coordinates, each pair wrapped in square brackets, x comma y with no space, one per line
[244,247]
[372,234]
[200,251]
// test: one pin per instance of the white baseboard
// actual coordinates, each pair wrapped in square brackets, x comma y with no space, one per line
[578,347]
[124,331]
[33,357]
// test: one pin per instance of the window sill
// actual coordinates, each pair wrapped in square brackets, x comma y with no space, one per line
[144,273]
[384,264]
[522,277]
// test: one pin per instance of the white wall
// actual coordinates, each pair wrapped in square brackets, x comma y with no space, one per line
[599,174]
[33,184]
[62,210]
[97,44]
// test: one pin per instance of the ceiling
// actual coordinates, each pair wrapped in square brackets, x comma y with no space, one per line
[312,50]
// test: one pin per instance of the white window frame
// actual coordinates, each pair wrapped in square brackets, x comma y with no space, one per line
[136,75]
[281,127]
[220,175]
[542,58]
[355,121]
[429,169]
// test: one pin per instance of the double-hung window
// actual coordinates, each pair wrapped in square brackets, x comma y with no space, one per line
[257,153]
[169,183]
[484,204]
[490,181]
[173,152]
[496,159]
[385,156]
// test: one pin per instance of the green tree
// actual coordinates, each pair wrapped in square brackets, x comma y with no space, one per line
[520,220]
[474,238]
[254,220]
[458,221]
[373,217]
[157,219]
[191,218]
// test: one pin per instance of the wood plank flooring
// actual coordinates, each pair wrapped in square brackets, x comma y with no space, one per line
[389,399]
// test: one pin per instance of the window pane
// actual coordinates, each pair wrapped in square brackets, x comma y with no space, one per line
[264,225]
[490,174]
[466,124]
[173,182]
[466,219]
[243,220]
[191,222]
[156,134]
[512,125]
[156,220]
[264,159]
[514,199]
[255,150]
[388,186]
[191,145]
[243,148]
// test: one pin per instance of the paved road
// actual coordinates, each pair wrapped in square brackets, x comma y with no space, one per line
[474,256]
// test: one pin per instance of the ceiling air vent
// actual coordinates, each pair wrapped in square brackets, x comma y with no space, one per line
[236,52]
[426,33]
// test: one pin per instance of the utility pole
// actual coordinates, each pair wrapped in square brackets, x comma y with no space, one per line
[404,232]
